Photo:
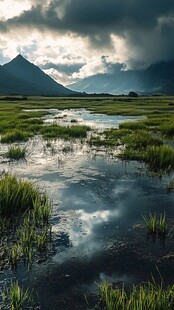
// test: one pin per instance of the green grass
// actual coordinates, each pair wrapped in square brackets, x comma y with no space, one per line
[15,136]
[142,139]
[160,157]
[133,125]
[16,153]
[148,296]
[17,196]
[24,214]
[110,138]
[138,145]
[16,297]
[145,146]
[167,128]
[55,131]
[156,224]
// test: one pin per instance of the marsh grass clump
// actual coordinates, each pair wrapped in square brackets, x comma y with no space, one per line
[110,138]
[156,224]
[137,144]
[15,136]
[67,133]
[133,125]
[143,145]
[24,214]
[102,141]
[16,297]
[160,156]
[16,153]
[150,296]
[141,139]
[167,128]
[16,195]
[131,154]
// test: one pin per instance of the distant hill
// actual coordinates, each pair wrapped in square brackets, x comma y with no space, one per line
[156,79]
[21,77]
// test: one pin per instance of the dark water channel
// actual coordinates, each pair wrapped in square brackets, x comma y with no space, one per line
[98,232]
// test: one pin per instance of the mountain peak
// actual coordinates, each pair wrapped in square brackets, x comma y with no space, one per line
[19,57]
[27,72]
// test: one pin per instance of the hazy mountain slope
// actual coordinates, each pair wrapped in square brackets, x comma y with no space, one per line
[28,72]
[157,78]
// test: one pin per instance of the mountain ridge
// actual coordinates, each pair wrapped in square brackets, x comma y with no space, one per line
[19,76]
[158,78]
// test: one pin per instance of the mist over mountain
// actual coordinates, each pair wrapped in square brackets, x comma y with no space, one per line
[21,77]
[156,79]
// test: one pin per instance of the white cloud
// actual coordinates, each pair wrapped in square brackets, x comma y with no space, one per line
[11,8]
[70,49]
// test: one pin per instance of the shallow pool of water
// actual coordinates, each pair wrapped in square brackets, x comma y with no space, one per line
[84,117]
[97,224]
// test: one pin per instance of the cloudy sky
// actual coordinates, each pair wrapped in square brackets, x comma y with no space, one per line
[73,39]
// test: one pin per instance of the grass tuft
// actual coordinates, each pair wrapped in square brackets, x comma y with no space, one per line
[156,224]
[16,153]
[160,156]
[16,297]
[67,133]
[15,136]
[17,196]
[145,297]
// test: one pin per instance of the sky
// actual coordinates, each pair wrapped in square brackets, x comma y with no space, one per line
[74,39]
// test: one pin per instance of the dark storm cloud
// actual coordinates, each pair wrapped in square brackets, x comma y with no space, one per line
[91,17]
[134,20]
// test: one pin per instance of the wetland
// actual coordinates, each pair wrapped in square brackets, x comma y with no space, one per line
[97,167]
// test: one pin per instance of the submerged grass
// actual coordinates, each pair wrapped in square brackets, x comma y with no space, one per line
[149,296]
